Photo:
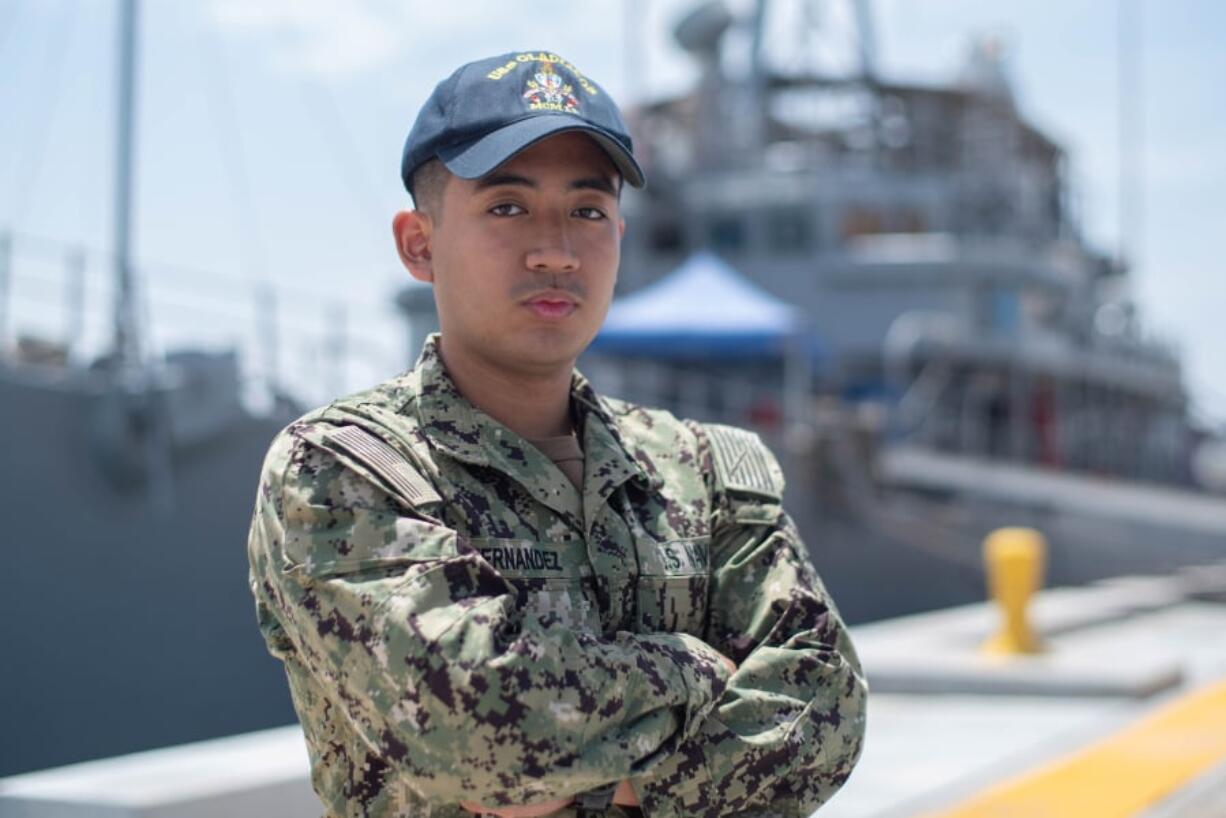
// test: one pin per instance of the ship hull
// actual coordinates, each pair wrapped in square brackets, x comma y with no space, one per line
[126,615]
[911,538]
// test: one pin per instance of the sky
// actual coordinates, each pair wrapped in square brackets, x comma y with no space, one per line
[269,138]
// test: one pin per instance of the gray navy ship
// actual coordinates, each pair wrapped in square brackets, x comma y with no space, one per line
[126,489]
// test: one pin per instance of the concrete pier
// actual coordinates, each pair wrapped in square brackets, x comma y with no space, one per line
[1130,689]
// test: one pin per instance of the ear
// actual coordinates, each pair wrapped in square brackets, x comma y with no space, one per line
[621,229]
[413,231]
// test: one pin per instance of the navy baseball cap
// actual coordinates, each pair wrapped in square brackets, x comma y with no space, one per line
[491,109]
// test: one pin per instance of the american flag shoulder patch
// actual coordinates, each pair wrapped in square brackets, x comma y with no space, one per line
[385,461]
[743,462]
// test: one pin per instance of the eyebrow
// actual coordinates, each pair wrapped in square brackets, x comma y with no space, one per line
[599,183]
[500,179]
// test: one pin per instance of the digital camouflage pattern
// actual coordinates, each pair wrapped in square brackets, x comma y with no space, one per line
[458,622]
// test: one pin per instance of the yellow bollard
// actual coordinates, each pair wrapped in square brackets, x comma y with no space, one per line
[1014,558]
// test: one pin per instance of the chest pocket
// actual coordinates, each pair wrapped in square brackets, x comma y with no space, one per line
[674,577]
[553,580]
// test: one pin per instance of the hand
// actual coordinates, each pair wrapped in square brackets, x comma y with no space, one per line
[526,811]
[624,795]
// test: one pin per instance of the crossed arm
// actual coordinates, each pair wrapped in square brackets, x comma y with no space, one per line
[788,727]
[624,795]
[422,648]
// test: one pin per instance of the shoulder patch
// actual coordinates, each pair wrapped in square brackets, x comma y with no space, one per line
[743,463]
[388,463]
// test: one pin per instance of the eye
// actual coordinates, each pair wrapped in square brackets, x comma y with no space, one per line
[590,213]
[506,209]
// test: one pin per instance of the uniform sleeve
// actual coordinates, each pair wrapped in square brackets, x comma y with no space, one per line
[419,645]
[789,727]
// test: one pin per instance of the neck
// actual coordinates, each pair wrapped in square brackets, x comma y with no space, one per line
[533,405]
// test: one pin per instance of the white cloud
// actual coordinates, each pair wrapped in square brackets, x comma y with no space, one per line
[361,37]
[316,36]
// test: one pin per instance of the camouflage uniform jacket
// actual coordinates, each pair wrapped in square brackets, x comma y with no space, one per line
[458,622]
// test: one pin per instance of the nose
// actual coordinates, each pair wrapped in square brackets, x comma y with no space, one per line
[552,251]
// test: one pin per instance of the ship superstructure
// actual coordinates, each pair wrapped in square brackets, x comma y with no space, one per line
[929,235]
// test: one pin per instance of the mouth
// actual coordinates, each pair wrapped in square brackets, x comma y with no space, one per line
[551,306]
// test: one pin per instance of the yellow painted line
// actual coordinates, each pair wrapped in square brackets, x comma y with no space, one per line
[1120,776]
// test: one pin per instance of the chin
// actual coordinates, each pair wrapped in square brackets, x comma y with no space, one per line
[549,347]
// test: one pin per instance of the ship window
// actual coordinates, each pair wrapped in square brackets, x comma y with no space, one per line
[727,233]
[788,231]
[1002,309]
[909,220]
[862,221]
[665,237]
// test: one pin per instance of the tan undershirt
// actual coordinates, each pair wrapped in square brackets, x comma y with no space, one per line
[565,452]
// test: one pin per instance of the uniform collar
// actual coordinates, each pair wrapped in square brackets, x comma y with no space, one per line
[464,432]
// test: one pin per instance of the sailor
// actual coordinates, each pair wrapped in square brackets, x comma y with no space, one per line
[496,591]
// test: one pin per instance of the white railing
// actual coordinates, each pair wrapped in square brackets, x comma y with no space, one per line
[305,340]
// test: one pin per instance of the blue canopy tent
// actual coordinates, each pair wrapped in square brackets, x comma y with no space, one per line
[707,314]
[703,310]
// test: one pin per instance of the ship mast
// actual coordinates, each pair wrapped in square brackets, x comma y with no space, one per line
[867,41]
[127,351]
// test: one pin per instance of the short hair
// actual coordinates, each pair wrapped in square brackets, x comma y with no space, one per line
[426,186]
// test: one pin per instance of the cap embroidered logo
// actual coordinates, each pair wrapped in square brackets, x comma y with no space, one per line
[546,91]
